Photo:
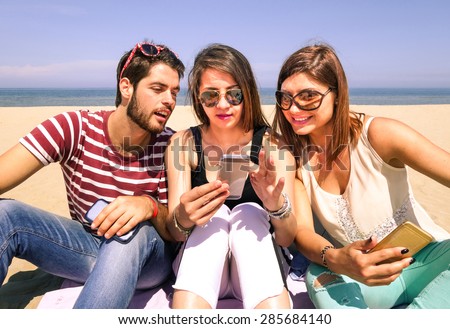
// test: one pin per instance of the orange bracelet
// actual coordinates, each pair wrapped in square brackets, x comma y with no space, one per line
[155,205]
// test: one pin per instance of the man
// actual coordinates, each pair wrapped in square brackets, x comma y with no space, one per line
[113,155]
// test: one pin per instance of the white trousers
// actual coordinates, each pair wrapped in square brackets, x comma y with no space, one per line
[232,256]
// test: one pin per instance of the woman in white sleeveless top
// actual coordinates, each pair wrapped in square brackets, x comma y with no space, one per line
[353,169]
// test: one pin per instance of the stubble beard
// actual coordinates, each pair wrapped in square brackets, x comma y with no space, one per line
[136,115]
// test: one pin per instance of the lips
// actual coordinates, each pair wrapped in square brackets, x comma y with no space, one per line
[163,114]
[224,116]
[300,120]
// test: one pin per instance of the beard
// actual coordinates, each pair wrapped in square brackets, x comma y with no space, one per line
[135,113]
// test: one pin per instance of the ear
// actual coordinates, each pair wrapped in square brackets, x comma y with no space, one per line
[126,89]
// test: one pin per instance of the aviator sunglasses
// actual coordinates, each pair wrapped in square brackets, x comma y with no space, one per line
[211,98]
[147,49]
[306,100]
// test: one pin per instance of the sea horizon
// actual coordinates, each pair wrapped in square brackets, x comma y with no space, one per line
[30,97]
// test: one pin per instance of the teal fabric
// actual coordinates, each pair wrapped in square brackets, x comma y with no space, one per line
[424,284]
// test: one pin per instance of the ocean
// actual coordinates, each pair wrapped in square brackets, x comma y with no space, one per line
[14,97]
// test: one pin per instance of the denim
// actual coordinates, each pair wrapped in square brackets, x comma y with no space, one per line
[108,269]
[423,284]
[299,266]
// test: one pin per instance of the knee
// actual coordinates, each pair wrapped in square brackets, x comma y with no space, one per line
[8,205]
[249,212]
[145,236]
[8,209]
[319,278]
[249,220]
[326,279]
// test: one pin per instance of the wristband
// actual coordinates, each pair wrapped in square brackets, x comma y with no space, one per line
[322,254]
[155,205]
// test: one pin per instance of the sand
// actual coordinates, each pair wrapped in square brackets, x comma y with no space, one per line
[46,188]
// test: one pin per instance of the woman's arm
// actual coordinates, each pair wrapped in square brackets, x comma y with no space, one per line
[351,260]
[275,175]
[398,145]
[188,206]
[306,240]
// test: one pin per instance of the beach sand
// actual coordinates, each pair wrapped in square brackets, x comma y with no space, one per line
[46,190]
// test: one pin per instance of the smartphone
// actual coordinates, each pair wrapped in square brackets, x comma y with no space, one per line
[93,212]
[406,235]
[234,171]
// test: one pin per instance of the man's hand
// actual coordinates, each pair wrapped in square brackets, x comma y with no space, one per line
[122,215]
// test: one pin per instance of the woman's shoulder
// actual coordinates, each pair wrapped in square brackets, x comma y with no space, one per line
[387,136]
[382,127]
[181,133]
[182,137]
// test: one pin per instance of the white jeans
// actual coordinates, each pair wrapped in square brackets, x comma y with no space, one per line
[232,256]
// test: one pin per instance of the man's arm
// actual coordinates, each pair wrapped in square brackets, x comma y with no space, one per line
[16,165]
[160,223]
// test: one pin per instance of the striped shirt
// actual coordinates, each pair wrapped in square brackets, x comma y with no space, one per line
[92,167]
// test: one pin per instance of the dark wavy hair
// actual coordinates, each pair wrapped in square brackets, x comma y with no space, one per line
[141,64]
[320,62]
[229,60]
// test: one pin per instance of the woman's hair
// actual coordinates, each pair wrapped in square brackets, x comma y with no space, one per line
[228,60]
[321,63]
[141,64]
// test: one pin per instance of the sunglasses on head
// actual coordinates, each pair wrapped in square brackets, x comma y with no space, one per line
[306,100]
[211,98]
[147,49]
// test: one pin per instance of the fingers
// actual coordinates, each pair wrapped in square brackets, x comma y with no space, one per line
[199,204]
[265,173]
[374,268]
[110,220]
[266,165]
[205,193]
[390,255]
[121,226]
[385,274]
[366,245]
[383,281]
[279,187]
[120,216]
[265,184]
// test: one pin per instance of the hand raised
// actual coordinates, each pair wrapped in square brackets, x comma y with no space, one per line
[265,184]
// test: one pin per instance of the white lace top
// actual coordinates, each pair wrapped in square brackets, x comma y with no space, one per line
[377,199]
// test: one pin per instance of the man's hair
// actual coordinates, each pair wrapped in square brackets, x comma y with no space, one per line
[228,60]
[140,66]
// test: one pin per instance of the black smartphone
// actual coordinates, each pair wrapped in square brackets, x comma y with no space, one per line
[93,212]
[234,171]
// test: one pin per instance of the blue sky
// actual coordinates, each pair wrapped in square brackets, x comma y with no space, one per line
[384,43]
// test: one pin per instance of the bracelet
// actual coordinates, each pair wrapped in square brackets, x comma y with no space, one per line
[322,254]
[181,228]
[155,205]
[284,211]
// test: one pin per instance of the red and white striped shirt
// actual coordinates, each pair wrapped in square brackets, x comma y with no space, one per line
[92,167]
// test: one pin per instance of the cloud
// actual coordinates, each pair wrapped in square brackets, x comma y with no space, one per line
[85,73]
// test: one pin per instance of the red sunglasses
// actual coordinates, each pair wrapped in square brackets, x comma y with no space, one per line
[147,49]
